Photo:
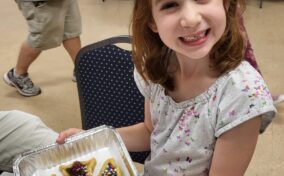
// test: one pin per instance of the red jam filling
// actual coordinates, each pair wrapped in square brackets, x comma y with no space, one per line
[77,169]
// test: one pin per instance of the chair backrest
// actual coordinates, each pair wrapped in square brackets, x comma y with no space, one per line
[107,92]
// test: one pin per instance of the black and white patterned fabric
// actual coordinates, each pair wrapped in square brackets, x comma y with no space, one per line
[107,91]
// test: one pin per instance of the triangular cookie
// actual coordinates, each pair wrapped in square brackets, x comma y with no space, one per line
[110,168]
[79,168]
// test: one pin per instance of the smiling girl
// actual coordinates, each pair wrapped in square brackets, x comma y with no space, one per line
[204,104]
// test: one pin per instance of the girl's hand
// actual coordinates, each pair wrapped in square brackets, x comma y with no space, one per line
[67,133]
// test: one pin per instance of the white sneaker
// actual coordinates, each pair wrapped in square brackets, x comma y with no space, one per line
[23,84]
[278,99]
[74,79]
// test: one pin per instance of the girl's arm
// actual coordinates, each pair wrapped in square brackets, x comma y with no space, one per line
[137,137]
[234,149]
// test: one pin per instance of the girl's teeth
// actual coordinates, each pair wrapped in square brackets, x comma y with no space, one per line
[190,38]
[193,37]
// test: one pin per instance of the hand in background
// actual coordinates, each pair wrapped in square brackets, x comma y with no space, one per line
[67,133]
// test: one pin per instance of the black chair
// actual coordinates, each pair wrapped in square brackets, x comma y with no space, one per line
[107,91]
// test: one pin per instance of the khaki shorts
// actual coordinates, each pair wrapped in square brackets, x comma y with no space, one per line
[52,23]
[20,132]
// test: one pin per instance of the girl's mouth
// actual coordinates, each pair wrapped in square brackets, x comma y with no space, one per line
[193,38]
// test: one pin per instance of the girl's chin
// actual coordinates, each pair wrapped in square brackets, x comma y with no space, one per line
[197,52]
[197,55]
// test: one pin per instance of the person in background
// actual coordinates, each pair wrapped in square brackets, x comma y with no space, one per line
[50,23]
[204,104]
[249,55]
[19,132]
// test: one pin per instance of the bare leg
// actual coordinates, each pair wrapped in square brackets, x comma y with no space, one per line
[21,80]
[26,56]
[72,46]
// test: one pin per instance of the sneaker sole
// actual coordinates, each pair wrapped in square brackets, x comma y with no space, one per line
[74,79]
[7,80]
[10,83]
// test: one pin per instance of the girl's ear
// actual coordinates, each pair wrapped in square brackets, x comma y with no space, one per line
[152,25]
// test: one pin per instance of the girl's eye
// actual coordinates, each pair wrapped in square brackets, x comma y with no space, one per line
[169,5]
[201,1]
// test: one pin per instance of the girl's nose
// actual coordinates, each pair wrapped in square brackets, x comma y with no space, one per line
[190,17]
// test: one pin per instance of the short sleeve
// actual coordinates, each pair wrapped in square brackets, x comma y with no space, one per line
[143,87]
[245,96]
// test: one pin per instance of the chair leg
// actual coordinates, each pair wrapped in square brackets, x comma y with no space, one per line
[260,5]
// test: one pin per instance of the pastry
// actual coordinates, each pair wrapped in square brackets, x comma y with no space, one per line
[79,168]
[110,168]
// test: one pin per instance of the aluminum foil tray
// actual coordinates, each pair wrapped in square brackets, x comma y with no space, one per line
[102,143]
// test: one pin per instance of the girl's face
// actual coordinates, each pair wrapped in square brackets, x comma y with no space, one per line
[189,27]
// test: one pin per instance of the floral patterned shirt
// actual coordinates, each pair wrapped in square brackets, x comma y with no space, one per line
[185,133]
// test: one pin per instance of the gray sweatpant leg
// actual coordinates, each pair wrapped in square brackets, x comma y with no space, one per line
[19,132]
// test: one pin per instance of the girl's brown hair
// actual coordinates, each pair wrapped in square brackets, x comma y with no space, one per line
[151,56]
